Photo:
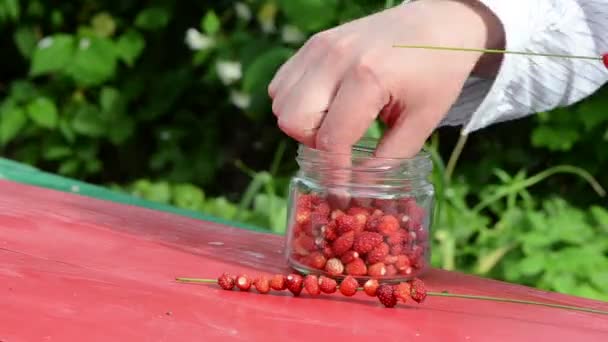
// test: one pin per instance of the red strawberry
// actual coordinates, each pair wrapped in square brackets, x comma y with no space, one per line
[278,282]
[403,220]
[391,270]
[358,210]
[418,291]
[377,270]
[316,222]
[334,267]
[349,257]
[416,214]
[295,283]
[328,253]
[366,241]
[390,259]
[243,282]
[422,234]
[336,213]
[388,225]
[378,254]
[373,221]
[402,262]
[605,59]
[370,287]
[348,286]
[356,267]
[303,217]
[346,223]
[402,291]
[407,271]
[311,284]
[361,202]
[386,295]
[316,260]
[397,238]
[327,285]
[397,249]
[344,243]
[322,209]
[304,201]
[226,281]
[330,231]
[262,284]
[303,244]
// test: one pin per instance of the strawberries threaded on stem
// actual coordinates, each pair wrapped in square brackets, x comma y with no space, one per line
[386,295]
[243,282]
[226,281]
[262,284]
[349,286]
[311,285]
[295,284]
[278,282]
[418,290]
[370,287]
[403,291]
[327,285]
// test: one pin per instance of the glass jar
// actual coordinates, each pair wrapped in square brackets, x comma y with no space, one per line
[360,215]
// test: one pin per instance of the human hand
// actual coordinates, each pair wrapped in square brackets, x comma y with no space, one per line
[332,89]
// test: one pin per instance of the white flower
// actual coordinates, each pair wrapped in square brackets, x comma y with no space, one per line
[45,42]
[239,99]
[242,11]
[84,43]
[291,34]
[196,40]
[229,71]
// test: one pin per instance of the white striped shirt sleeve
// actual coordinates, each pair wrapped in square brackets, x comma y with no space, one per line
[527,84]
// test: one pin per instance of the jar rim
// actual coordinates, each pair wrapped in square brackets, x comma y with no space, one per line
[368,145]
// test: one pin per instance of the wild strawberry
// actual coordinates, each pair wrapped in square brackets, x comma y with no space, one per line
[311,285]
[377,270]
[226,281]
[317,221]
[388,225]
[405,202]
[605,59]
[278,282]
[378,254]
[322,209]
[361,202]
[304,201]
[402,262]
[390,259]
[373,221]
[386,295]
[403,219]
[415,252]
[366,241]
[345,223]
[349,286]
[262,284]
[334,267]
[328,253]
[407,271]
[336,213]
[344,243]
[303,217]
[243,282]
[391,270]
[418,291]
[327,285]
[403,291]
[316,260]
[370,287]
[397,249]
[356,267]
[330,231]
[321,243]
[295,283]
[303,244]
[416,214]
[358,210]
[397,238]
[422,234]
[349,256]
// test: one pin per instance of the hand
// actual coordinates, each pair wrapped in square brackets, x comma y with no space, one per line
[332,89]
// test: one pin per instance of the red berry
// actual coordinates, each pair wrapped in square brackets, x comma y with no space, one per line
[262,284]
[358,210]
[311,284]
[378,254]
[391,270]
[336,213]
[328,253]
[303,244]
[377,270]
[330,231]
[303,217]
[605,59]
[316,260]
[370,287]
[397,249]
[402,291]
[416,214]
[397,238]
[386,295]
[418,291]
[373,221]
[317,221]
[344,243]
[334,266]
[348,286]
[367,241]
[243,282]
[295,283]
[349,256]
[278,282]
[388,225]
[226,281]
[322,208]
[390,259]
[327,285]
[356,267]
[346,223]
[402,262]
[304,201]
[403,219]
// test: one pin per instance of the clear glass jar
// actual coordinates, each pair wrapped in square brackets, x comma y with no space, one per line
[360,215]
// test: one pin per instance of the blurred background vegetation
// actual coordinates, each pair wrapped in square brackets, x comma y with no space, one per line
[167,100]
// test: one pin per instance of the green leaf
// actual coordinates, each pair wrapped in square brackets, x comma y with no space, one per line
[69,167]
[188,196]
[12,121]
[56,152]
[66,130]
[152,18]
[108,99]
[9,10]
[532,265]
[43,112]
[88,121]
[22,91]
[122,129]
[94,62]
[52,54]
[103,24]
[25,38]
[310,15]
[210,23]
[129,46]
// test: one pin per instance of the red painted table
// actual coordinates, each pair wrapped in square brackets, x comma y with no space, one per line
[74,268]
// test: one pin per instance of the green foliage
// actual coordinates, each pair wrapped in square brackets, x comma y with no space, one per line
[168,101]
